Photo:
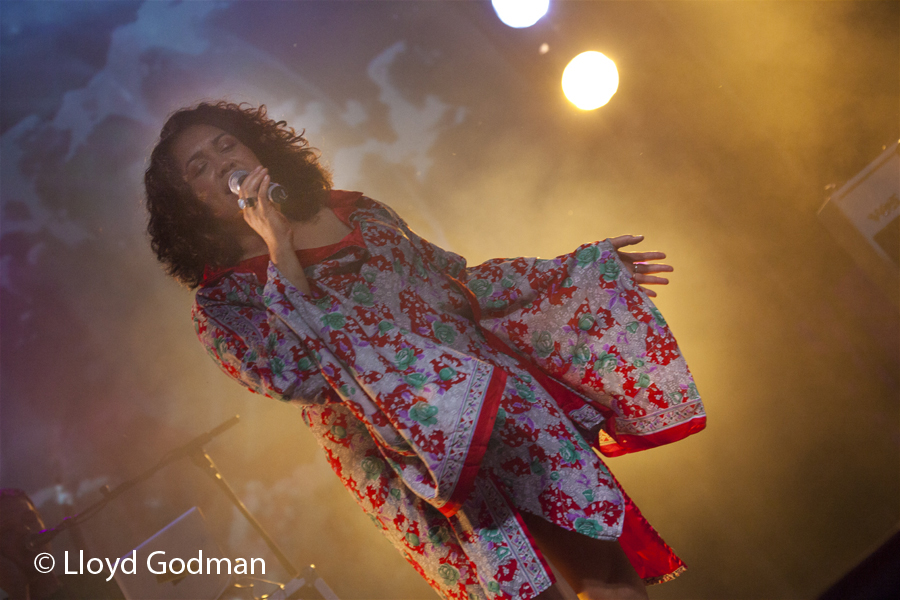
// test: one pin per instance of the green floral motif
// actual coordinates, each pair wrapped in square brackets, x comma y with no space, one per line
[586,321]
[271,342]
[334,320]
[420,268]
[362,295]
[632,327]
[610,270]
[658,316]
[385,326]
[370,276]
[587,256]
[643,381]
[404,358]
[423,413]
[372,466]
[252,355]
[581,354]
[276,365]
[447,373]
[445,333]
[554,475]
[438,534]
[524,392]
[324,303]
[338,432]
[606,362]
[395,493]
[412,539]
[498,304]
[304,364]
[492,534]
[568,282]
[543,343]
[638,363]
[526,377]
[501,552]
[507,282]
[693,394]
[417,380]
[588,527]
[398,268]
[501,418]
[347,390]
[481,287]
[536,467]
[588,495]
[675,397]
[493,587]
[568,452]
[449,574]
[232,297]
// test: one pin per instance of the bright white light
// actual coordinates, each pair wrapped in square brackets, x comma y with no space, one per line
[590,80]
[520,13]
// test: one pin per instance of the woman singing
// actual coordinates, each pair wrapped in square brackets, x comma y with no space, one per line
[460,406]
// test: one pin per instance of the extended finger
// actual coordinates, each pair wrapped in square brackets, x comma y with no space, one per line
[642,256]
[649,292]
[650,280]
[652,268]
[625,240]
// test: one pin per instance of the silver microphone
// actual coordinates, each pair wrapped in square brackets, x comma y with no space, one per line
[277,193]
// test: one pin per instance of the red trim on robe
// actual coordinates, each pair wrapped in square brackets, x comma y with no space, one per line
[484,427]
[648,553]
[342,203]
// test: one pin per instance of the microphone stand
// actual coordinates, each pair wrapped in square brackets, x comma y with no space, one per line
[206,464]
[194,450]
[42,537]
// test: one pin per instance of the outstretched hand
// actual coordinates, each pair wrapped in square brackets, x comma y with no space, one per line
[636,263]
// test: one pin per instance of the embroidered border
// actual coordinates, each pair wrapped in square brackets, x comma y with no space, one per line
[514,537]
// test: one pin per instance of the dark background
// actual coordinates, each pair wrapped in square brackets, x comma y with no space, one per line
[730,120]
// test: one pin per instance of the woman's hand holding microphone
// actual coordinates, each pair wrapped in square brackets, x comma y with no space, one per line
[264,217]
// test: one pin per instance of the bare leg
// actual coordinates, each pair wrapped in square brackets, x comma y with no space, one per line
[596,569]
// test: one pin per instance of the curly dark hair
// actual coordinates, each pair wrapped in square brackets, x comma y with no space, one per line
[183,233]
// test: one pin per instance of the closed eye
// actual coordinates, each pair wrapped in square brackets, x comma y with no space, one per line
[197,169]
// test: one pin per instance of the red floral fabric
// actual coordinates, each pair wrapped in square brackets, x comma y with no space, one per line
[448,398]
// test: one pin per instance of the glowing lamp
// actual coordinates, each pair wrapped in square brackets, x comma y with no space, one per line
[590,80]
[520,13]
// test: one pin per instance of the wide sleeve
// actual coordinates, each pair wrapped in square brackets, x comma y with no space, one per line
[581,319]
[254,347]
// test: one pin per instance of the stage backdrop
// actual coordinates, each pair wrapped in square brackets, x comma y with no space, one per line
[730,120]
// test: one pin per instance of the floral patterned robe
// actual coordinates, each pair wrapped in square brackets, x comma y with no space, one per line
[448,399]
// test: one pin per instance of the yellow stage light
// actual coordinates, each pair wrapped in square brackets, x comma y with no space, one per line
[520,13]
[590,80]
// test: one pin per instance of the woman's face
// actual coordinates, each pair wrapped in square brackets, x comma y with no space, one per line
[207,156]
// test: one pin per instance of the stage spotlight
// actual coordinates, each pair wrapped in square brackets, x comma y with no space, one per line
[590,80]
[520,13]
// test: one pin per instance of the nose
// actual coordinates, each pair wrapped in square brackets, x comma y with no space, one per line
[226,167]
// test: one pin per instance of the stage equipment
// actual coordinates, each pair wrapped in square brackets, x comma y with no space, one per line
[277,193]
[194,450]
[39,539]
[864,216]
[187,537]
[590,80]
